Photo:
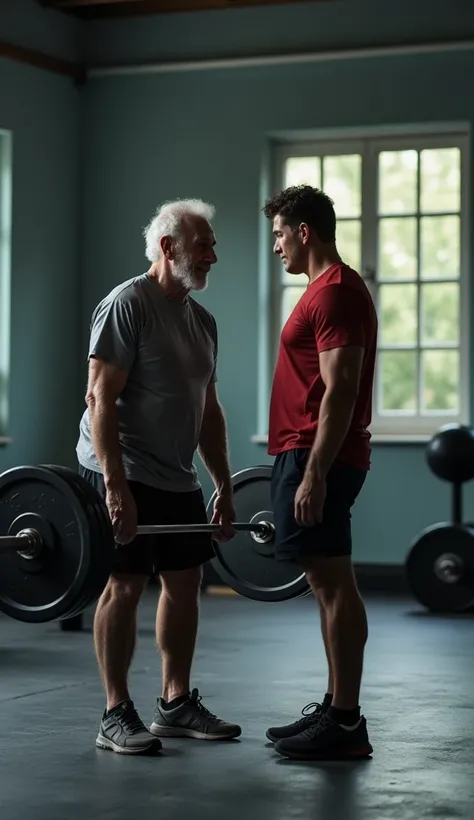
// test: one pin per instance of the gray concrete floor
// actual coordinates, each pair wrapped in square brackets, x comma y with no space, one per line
[257,664]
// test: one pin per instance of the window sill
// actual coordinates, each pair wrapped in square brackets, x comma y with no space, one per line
[380,438]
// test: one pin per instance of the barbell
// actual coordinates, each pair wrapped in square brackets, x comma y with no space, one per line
[57,545]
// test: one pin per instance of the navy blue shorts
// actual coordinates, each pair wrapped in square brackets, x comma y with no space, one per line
[332,537]
[151,554]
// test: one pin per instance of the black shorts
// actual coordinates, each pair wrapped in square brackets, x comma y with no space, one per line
[151,554]
[332,537]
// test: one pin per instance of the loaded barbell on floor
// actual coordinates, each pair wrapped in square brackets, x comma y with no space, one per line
[440,564]
[57,544]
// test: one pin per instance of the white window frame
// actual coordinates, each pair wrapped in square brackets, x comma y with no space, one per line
[394,427]
[5,276]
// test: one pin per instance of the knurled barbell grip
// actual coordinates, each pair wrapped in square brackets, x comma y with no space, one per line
[159,529]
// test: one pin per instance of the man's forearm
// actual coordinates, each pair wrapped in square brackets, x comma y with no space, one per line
[335,416]
[105,440]
[213,449]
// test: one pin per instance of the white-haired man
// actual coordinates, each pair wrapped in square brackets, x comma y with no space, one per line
[151,404]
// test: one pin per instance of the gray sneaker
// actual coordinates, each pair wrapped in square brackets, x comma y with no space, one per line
[122,731]
[191,719]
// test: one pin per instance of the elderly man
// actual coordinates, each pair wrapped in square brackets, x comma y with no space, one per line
[151,404]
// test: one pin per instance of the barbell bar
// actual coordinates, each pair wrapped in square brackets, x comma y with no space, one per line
[32,541]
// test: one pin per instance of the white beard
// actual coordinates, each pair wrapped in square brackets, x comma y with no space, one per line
[184,273]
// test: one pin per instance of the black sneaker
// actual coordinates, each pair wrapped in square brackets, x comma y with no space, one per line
[122,731]
[191,719]
[276,733]
[327,740]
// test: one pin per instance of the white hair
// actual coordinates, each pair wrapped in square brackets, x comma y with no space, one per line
[167,222]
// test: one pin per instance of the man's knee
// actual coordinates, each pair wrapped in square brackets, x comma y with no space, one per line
[330,577]
[125,590]
[182,584]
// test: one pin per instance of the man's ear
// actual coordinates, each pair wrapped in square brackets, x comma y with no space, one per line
[304,232]
[166,245]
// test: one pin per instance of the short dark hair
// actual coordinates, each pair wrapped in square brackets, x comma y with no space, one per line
[303,203]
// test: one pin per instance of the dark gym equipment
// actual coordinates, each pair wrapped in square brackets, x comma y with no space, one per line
[57,545]
[440,564]
[246,563]
[450,453]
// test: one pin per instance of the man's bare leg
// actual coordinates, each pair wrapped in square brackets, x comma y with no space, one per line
[345,626]
[115,627]
[177,621]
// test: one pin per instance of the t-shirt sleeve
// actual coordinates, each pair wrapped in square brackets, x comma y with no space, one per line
[115,332]
[338,317]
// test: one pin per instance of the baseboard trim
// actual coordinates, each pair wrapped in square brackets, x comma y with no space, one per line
[387,578]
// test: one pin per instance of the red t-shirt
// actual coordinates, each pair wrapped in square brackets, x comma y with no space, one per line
[336,310]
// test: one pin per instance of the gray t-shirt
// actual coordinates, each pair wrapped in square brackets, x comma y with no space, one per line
[170,350]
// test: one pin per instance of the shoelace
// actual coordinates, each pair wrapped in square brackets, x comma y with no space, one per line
[317,728]
[130,721]
[203,709]
[308,715]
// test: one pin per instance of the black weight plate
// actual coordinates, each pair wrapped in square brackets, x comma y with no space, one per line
[103,536]
[46,588]
[428,588]
[239,562]
[88,591]
[105,543]
[96,581]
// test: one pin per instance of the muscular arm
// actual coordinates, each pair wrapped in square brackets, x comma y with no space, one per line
[213,442]
[338,319]
[340,371]
[105,384]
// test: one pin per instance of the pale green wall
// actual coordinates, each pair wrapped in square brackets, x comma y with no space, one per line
[206,133]
[42,110]
[91,164]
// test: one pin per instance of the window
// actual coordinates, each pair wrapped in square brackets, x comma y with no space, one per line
[5,252]
[402,222]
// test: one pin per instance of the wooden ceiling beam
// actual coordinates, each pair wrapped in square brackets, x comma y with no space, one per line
[119,8]
[77,4]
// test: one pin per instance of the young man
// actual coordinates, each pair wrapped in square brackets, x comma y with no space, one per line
[319,416]
[151,403]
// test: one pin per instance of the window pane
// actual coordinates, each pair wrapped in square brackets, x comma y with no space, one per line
[398,380]
[291,297]
[440,250]
[398,182]
[397,248]
[440,313]
[398,314]
[440,180]
[303,171]
[342,182]
[348,242]
[440,380]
